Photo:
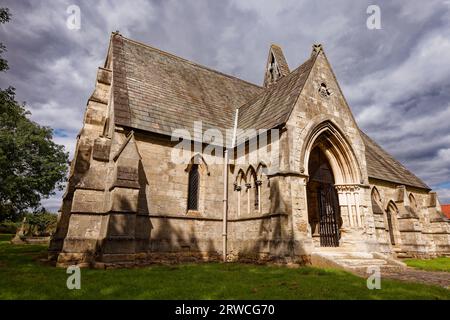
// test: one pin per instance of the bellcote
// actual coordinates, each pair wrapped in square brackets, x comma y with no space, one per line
[276,67]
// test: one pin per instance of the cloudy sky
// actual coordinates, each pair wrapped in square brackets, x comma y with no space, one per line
[396,79]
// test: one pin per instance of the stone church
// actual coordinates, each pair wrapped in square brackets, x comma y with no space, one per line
[323,185]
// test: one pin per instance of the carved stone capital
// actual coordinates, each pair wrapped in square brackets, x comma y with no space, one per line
[347,187]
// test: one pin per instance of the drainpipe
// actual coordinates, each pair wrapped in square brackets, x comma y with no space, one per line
[225,188]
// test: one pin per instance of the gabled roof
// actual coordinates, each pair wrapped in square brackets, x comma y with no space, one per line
[381,165]
[158,92]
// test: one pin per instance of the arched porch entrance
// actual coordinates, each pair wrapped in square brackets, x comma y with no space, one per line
[334,186]
[323,204]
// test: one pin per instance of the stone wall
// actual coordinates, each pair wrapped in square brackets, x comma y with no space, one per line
[253,231]
[131,206]
[416,229]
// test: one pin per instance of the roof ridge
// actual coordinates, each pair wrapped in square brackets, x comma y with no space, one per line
[171,55]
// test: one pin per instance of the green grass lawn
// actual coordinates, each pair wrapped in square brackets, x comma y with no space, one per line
[22,276]
[437,264]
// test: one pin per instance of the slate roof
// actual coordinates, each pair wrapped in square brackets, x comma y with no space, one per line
[381,165]
[273,106]
[158,92]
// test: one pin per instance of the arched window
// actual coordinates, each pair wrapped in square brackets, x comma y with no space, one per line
[261,171]
[257,194]
[273,71]
[413,204]
[376,202]
[194,187]
[252,195]
[391,213]
[240,181]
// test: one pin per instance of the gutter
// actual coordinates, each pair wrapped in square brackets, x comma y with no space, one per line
[225,188]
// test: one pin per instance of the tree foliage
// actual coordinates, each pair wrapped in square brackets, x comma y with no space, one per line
[31,164]
[41,223]
[4,17]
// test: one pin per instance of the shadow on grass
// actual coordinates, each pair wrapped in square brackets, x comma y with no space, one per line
[22,277]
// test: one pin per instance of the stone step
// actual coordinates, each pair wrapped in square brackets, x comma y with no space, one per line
[336,249]
[357,262]
[362,262]
[364,269]
[350,255]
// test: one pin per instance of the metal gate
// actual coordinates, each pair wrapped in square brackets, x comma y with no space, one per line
[328,212]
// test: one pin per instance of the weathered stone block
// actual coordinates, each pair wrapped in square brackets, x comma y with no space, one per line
[124,200]
[102,149]
[83,156]
[88,201]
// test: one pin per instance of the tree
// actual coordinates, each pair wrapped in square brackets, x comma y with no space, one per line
[41,223]
[31,164]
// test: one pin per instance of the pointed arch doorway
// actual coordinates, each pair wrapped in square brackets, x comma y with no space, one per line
[323,204]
